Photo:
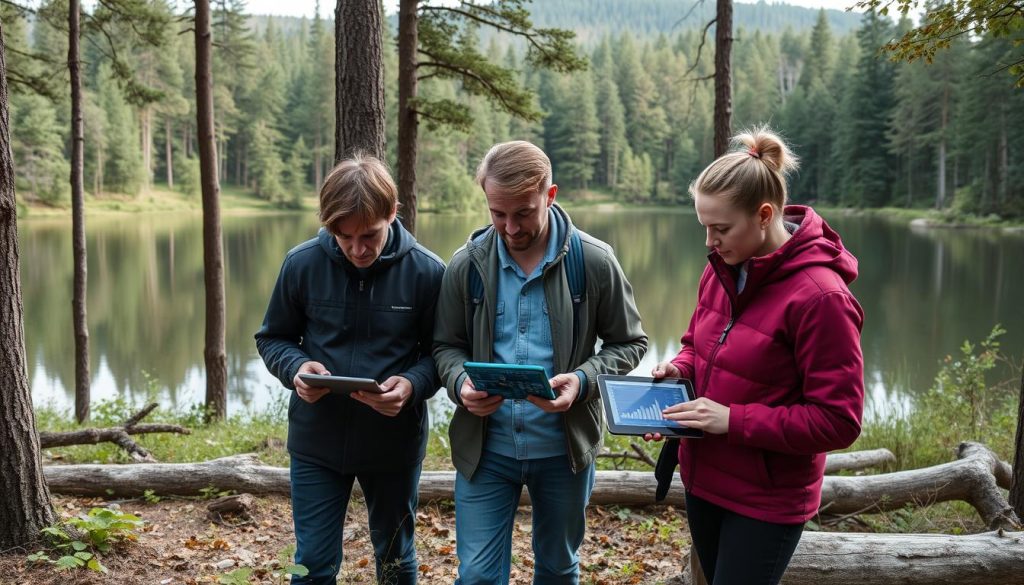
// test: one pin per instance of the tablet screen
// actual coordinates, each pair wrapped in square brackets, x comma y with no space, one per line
[641,403]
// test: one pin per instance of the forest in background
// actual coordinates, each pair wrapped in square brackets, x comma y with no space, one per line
[635,127]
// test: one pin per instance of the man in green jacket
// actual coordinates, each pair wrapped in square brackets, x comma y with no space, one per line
[525,314]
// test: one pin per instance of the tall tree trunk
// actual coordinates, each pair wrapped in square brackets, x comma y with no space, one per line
[723,76]
[1003,164]
[213,251]
[169,152]
[318,160]
[146,122]
[80,258]
[100,162]
[186,137]
[359,80]
[408,119]
[910,175]
[1016,497]
[25,506]
[940,188]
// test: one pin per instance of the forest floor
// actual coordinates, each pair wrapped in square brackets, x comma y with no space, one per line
[179,545]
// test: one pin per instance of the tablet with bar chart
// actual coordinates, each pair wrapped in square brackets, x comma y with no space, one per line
[633,404]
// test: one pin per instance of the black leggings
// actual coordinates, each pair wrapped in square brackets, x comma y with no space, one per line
[737,550]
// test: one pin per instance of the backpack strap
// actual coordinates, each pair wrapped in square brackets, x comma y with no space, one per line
[576,274]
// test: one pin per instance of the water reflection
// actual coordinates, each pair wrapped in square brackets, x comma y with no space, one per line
[924,293]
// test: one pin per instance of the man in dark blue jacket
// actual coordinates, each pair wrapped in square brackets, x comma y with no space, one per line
[357,300]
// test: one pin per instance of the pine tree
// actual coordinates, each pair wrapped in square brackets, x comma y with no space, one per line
[612,122]
[576,138]
[866,171]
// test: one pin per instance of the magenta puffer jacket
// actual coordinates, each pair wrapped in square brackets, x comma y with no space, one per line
[785,356]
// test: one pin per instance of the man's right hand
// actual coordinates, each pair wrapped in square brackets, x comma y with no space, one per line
[666,370]
[305,391]
[478,402]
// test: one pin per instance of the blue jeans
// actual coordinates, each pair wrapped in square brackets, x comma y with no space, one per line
[485,510]
[319,501]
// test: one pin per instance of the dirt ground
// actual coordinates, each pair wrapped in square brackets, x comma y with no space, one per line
[179,545]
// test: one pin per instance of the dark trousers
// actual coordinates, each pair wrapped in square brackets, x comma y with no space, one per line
[738,550]
[320,499]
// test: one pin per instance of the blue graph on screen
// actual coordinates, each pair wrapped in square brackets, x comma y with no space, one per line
[638,404]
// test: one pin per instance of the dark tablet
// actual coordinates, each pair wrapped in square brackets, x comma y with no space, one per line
[341,384]
[510,380]
[633,404]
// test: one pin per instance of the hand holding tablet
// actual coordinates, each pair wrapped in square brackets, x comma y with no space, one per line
[510,380]
[341,384]
[634,404]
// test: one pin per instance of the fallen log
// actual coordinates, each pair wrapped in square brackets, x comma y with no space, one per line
[119,435]
[857,460]
[843,558]
[969,479]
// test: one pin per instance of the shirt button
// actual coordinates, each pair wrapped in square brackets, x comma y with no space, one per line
[522,329]
[523,291]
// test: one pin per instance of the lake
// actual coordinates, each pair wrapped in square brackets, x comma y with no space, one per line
[923,291]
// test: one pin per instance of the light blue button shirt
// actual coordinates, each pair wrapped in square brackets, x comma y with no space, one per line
[522,335]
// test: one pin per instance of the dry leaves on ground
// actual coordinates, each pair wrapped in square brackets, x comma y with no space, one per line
[179,545]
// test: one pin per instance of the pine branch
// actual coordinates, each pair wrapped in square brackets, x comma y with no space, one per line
[466,72]
[700,47]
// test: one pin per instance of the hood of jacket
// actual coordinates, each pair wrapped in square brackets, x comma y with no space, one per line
[814,243]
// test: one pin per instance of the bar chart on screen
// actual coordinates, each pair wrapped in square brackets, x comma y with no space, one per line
[640,403]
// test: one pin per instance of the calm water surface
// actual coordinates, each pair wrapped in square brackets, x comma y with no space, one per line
[923,292]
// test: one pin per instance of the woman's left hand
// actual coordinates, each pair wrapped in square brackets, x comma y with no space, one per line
[704,414]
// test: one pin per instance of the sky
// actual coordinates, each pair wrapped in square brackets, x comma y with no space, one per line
[306,7]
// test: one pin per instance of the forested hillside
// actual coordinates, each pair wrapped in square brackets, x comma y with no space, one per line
[592,19]
[635,127]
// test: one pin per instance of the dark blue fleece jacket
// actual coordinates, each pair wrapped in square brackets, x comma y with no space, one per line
[375,322]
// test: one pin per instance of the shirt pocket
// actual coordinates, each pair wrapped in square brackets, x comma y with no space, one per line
[545,325]
[390,321]
[499,322]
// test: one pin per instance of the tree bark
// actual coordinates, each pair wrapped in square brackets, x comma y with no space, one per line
[79,253]
[1017,485]
[359,81]
[857,460]
[408,119]
[214,352]
[723,76]
[25,506]
[840,558]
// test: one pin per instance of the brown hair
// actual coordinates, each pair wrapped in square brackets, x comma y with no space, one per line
[752,174]
[516,166]
[359,187]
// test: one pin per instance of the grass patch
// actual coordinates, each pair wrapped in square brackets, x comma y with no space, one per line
[263,433]
[234,200]
[962,405]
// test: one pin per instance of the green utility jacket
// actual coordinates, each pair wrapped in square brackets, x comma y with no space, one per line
[608,312]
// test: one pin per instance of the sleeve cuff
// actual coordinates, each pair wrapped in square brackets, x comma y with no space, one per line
[584,388]
[457,391]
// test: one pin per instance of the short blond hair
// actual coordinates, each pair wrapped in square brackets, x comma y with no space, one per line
[517,166]
[752,174]
[359,187]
